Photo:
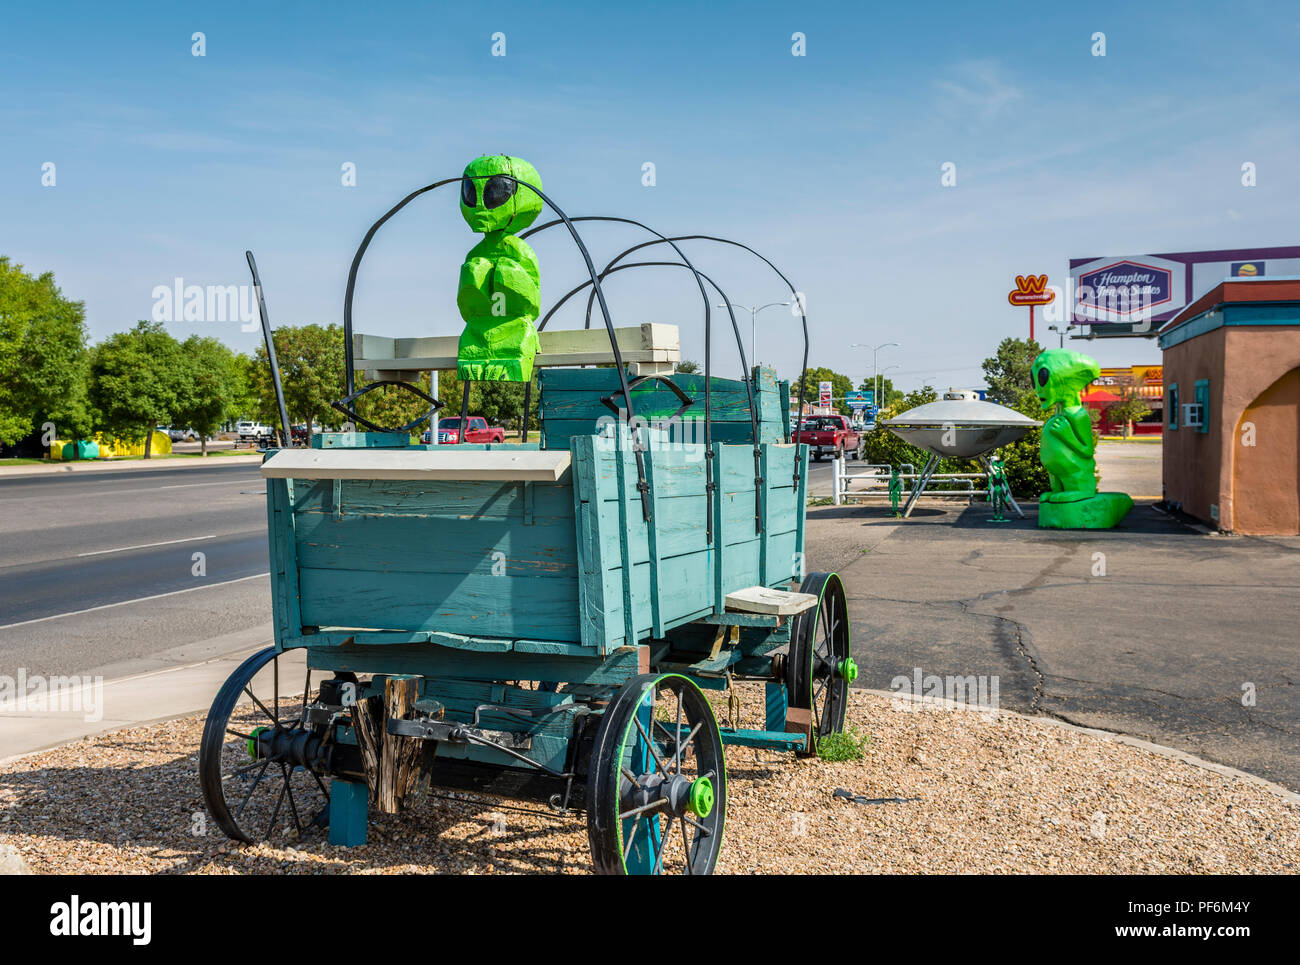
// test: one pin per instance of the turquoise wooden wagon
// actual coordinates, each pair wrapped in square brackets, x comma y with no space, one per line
[542,620]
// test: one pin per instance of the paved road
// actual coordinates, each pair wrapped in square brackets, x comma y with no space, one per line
[1164,646]
[98,569]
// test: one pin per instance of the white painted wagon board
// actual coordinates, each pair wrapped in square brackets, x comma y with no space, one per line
[441,463]
[649,348]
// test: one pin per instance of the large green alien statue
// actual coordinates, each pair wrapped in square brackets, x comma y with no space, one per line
[499,294]
[1060,376]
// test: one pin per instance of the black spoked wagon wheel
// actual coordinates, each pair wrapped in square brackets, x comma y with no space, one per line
[255,760]
[820,667]
[657,790]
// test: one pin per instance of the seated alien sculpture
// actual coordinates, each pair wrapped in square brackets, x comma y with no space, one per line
[499,294]
[1060,376]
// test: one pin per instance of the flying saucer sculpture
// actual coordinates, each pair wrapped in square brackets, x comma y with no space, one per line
[958,426]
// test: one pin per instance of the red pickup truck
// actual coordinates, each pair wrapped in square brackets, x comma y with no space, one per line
[478,431]
[824,434]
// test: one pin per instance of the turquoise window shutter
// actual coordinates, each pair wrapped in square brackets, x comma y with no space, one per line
[1173,406]
[1203,401]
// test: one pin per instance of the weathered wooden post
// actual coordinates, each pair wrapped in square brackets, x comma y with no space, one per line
[395,766]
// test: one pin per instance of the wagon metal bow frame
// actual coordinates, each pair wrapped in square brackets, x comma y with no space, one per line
[348,356]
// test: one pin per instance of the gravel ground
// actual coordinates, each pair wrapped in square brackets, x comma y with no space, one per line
[992,794]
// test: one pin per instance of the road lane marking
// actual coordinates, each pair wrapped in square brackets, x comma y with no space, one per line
[143,546]
[192,485]
[139,599]
[151,489]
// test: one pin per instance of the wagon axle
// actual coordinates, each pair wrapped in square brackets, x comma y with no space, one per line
[297,746]
[676,796]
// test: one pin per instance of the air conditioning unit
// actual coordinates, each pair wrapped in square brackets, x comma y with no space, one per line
[1192,415]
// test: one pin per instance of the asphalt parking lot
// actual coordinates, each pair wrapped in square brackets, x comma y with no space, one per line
[1153,629]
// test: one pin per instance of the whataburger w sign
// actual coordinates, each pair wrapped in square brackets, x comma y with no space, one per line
[1031,290]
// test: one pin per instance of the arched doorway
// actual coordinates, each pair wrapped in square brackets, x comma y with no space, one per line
[1266,461]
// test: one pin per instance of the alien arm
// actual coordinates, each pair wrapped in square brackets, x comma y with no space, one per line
[472,295]
[523,295]
[1080,437]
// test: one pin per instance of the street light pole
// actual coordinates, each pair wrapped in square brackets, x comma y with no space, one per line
[878,375]
[753,324]
[875,349]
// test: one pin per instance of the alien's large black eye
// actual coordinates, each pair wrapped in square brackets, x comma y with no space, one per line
[468,194]
[498,191]
[1042,377]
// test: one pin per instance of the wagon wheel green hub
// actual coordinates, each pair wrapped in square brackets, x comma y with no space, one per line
[657,783]
[253,738]
[821,666]
[256,758]
[701,797]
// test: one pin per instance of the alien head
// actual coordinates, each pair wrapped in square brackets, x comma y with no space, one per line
[1061,375]
[491,202]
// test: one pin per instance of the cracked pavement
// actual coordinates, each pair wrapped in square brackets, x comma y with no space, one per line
[1163,646]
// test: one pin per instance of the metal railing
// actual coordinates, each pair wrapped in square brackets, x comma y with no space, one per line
[883,481]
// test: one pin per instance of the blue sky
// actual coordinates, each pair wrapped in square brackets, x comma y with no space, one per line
[170,165]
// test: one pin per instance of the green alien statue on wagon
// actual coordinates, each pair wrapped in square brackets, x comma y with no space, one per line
[499,295]
[1060,376]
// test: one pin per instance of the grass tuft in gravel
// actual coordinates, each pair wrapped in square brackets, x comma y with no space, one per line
[848,745]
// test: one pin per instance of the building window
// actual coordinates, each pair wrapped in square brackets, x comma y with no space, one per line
[1173,406]
[1203,405]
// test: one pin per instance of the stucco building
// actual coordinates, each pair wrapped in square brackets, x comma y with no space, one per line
[1232,407]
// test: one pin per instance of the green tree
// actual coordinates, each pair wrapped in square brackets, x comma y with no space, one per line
[43,357]
[138,380]
[1008,375]
[311,369]
[687,367]
[839,385]
[212,387]
[245,402]
[392,406]
[1129,409]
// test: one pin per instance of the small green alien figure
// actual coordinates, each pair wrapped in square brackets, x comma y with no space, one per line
[1060,376]
[499,294]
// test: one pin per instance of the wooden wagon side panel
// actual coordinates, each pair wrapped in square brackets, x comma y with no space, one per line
[570,405]
[476,558]
[647,579]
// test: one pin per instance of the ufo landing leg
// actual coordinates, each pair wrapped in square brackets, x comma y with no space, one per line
[919,484]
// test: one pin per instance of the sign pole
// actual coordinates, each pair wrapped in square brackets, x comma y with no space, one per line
[1031,323]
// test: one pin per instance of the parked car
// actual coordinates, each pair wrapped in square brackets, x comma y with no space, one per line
[255,432]
[299,434]
[478,431]
[182,435]
[832,434]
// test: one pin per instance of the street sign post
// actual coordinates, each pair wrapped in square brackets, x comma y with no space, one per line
[825,392]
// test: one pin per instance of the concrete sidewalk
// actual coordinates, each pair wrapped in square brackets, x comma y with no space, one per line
[185,683]
[107,465]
